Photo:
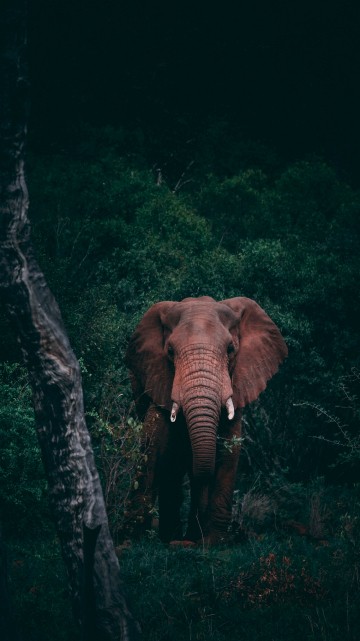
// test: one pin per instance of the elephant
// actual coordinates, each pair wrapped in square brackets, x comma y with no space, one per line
[193,366]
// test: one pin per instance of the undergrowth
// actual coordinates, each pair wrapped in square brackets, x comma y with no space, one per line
[267,589]
[272,587]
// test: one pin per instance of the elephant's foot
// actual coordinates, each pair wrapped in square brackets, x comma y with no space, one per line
[207,541]
[184,543]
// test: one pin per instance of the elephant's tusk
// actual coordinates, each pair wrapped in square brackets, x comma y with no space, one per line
[230,408]
[174,411]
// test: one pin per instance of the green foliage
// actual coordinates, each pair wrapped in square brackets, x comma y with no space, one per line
[224,217]
[344,420]
[23,501]
[117,442]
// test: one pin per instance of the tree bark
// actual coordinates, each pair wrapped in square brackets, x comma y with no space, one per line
[74,487]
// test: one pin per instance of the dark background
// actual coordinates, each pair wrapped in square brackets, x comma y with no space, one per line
[286,73]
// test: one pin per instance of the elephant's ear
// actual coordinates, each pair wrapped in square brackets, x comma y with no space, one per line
[261,350]
[152,372]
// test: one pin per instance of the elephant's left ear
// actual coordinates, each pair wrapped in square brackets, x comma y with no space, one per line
[152,373]
[261,350]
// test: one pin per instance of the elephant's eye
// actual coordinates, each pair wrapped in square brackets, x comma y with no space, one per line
[170,351]
[230,348]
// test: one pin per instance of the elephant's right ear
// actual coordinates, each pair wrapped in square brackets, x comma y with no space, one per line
[261,350]
[152,372]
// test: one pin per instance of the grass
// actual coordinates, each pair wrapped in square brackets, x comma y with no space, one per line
[39,590]
[273,587]
[267,589]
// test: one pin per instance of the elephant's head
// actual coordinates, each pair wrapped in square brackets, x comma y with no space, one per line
[199,356]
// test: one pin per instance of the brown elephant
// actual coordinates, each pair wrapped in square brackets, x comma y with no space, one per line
[194,364]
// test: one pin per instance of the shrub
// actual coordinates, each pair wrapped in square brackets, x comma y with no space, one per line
[23,501]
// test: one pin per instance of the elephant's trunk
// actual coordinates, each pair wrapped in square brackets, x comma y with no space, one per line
[200,373]
[202,419]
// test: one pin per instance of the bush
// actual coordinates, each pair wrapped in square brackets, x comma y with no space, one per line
[120,454]
[23,500]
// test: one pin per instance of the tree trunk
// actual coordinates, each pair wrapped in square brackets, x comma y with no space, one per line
[74,486]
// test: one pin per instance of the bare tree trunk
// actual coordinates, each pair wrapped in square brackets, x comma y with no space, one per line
[74,486]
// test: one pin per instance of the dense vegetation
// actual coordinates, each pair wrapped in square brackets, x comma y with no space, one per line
[119,222]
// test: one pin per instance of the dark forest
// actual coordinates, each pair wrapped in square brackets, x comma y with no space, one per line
[198,149]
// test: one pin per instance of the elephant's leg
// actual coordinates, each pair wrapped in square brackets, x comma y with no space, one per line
[225,476]
[170,473]
[198,524]
[170,500]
